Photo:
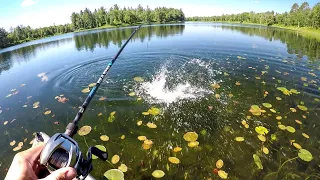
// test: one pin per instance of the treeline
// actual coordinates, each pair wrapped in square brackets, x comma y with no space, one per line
[116,16]
[299,16]
[86,19]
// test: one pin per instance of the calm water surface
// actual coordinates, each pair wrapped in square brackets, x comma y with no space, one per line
[203,77]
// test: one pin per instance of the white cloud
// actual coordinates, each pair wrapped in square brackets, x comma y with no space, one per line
[28,2]
[256,2]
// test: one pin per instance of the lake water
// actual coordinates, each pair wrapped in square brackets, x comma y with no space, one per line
[204,78]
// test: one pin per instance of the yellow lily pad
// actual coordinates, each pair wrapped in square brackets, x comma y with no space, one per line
[222,174]
[215,86]
[142,138]
[123,168]
[296,145]
[261,130]
[262,138]
[238,83]
[272,110]
[293,110]
[147,142]
[177,149]
[302,108]
[256,110]
[174,160]
[104,138]
[190,136]
[5,123]
[91,85]
[239,139]
[139,123]
[278,98]
[278,118]
[298,122]
[145,113]
[84,130]
[115,159]
[154,111]
[282,127]
[146,146]
[85,90]
[17,148]
[219,164]
[193,144]
[267,105]
[132,94]
[305,135]
[138,79]
[122,137]
[158,174]
[151,125]
[47,112]
[265,150]
[290,129]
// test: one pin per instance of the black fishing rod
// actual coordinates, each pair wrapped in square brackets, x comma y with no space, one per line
[61,150]
[72,127]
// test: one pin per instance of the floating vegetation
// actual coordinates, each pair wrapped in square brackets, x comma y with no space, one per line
[222,174]
[112,117]
[104,138]
[174,160]
[138,79]
[102,148]
[177,149]
[114,174]
[132,94]
[215,86]
[86,90]
[151,125]
[287,92]
[256,110]
[115,159]
[261,130]
[123,168]
[305,155]
[302,108]
[36,104]
[193,144]
[190,136]
[257,161]
[219,164]
[84,130]
[158,174]
[267,105]
[239,139]
[47,112]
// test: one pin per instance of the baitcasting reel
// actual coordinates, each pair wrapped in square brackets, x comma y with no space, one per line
[62,151]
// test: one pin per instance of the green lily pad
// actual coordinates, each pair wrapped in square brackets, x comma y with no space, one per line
[273,137]
[302,108]
[267,105]
[282,127]
[305,155]
[294,91]
[102,148]
[158,173]
[114,174]
[112,117]
[256,110]
[154,111]
[261,130]
[291,129]
[257,160]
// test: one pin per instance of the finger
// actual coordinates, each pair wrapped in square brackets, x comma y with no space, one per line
[33,153]
[67,173]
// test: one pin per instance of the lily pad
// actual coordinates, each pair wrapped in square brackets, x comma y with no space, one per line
[151,125]
[273,137]
[305,135]
[142,138]
[278,98]
[154,111]
[91,85]
[261,130]
[282,127]
[115,159]
[47,112]
[215,86]
[177,149]
[85,90]
[139,123]
[219,164]
[123,168]
[145,113]
[222,174]
[104,138]
[265,150]
[114,174]
[262,138]
[296,145]
[12,143]
[190,136]
[267,105]
[148,142]
[257,161]
[84,130]
[272,110]
[102,148]
[256,110]
[290,129]
[158,174]
[302,108]
[132,94]
[305,155]
[112,117]
[193,144]
[174,160]
[239,139]
[138,79]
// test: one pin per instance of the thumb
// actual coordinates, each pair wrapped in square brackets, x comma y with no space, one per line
[66,173]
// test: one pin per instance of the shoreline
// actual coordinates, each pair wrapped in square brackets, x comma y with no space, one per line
[307,32]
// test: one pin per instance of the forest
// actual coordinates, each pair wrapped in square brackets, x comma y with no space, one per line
[86,19]
[299,16]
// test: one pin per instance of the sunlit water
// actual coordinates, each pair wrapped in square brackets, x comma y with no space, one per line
[179,63]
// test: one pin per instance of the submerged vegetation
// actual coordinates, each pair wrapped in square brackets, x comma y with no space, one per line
[87,19]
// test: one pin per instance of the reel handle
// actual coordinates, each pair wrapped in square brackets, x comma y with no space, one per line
[97,152]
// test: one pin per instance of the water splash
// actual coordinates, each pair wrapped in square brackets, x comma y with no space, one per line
[169,85]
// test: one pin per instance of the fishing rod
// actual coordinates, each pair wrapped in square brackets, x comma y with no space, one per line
[63,151]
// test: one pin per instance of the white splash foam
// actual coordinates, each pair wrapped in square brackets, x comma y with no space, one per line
[156,91]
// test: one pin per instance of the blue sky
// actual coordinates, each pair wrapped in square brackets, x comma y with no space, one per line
[40,13]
